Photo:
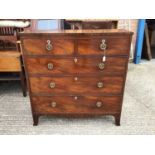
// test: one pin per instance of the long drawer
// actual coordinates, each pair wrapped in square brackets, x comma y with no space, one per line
[76,65]
[81,104]
[77,85]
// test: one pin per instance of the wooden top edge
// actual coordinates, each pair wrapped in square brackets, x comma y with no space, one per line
[105,31]
[9,54]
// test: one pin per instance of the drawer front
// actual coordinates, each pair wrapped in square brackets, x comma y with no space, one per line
[82,104]
[48,46]
[77,85]
[10,64]
[69,66]
[112,46]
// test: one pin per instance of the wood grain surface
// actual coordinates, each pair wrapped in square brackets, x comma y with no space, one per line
[68,80]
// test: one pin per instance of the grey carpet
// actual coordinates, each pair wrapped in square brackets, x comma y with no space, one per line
[138,112]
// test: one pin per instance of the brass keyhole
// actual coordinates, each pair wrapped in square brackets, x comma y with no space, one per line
[75,97]
[75,78]
[75,60]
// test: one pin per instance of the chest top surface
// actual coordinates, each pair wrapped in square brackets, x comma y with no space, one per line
[76,32]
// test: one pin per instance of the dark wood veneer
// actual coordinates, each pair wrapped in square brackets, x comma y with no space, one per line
[75,56]
[38,46]
[67,66]
[113,46]
[84,104]
[84,85]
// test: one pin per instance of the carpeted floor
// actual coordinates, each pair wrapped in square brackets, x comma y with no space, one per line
[138,113]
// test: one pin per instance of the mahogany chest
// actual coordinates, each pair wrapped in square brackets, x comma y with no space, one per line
[76,72]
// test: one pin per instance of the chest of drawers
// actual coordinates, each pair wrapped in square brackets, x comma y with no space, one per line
[76,72]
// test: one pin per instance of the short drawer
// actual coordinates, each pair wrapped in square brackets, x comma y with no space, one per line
[48,46]
[76,104]
[76,65]
[77,85]
[108,45]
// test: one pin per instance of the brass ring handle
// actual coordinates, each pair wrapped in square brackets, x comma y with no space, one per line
[53,104]
[99,104]
[49,46]
[103,45]
[101,65]
[50,66]
[100,84]
[52,85]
